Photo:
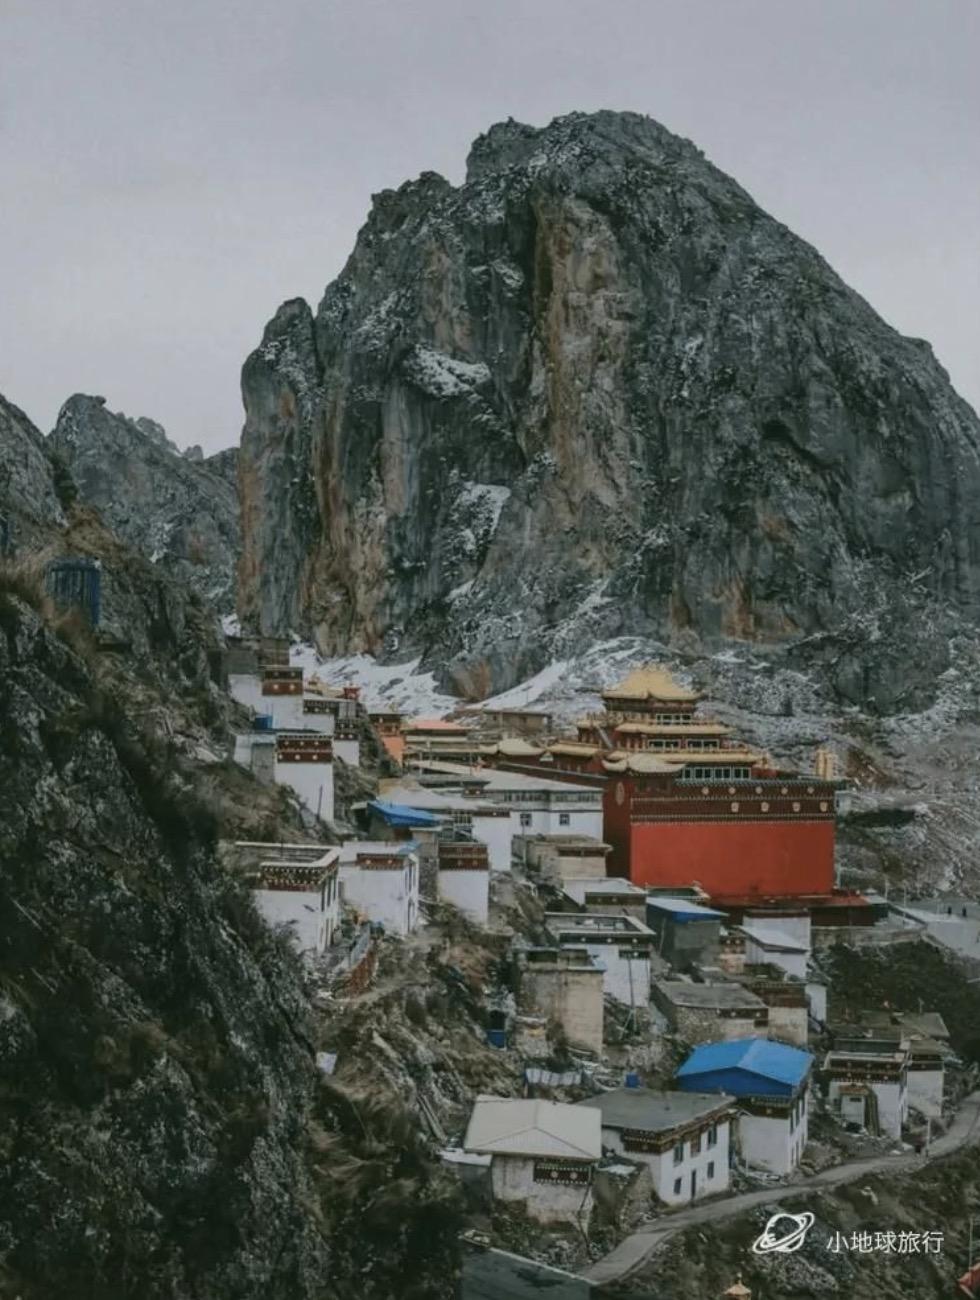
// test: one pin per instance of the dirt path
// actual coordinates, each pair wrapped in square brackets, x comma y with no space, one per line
[632,1253]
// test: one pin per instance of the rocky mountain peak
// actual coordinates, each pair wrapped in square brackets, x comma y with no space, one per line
[599,352]
[178,509]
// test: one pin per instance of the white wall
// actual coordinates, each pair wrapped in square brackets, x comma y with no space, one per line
[793,963]
[817,995]
[547,821]
[626,979]
[313,783]
[246,688]
[893,1103]
[664,1172]
[322,723]
[771,1143]
[498,835]
[925,1091]
[348,750]
[468,890]
[286,710]
[388,898]
[301,910]
[512,1179]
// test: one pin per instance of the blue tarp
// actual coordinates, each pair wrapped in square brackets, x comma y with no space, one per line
[745,1067]
[399,814]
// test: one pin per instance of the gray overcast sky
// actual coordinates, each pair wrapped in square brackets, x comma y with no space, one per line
[172,170]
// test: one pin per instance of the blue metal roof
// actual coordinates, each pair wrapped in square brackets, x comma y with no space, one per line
[682,909]
[399,814]
[760,1056]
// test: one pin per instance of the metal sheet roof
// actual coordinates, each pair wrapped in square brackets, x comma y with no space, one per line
[396,814]
[682,909]
[776,1061]
[771,937]
[511,1126]
[652,1111]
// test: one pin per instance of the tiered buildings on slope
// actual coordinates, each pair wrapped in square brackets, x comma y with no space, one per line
[685,875]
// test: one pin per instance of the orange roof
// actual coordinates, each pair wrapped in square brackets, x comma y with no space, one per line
[395,745]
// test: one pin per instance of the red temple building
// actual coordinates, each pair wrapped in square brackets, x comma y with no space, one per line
[685,803]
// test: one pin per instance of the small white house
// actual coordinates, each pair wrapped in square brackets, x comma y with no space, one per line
[766,943]
[770,1082]
[304,762]
[537,805]
[543,1154]
[318,714]
[298,887]
[870,1087]
[381,879]
[485,821]
[927,1071]
[682,1137]
[282,696]
[464,878]
[622,945]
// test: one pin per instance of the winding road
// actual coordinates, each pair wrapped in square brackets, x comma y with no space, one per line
[632,1253]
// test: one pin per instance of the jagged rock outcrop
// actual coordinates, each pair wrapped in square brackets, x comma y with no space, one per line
[155,1052]
[180,510]
[596,390]
[29,506]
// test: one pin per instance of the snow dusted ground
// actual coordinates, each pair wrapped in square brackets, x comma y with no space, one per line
[568,688]
[914,790]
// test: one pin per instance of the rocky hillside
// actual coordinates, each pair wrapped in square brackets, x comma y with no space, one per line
[599,352]
[29,504]
[179,510]
[154,1049]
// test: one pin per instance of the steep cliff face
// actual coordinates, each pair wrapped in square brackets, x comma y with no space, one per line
[596,390]
[154,1047]
[181,511]
[28,502]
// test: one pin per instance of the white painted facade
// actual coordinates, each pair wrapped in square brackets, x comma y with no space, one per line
[468,889]
[775,1142]
[925,1092]
[892,1100]
[512,1179]
[246,688]
[349,749]
[817,997]
[387,895]
[621,945]
[481,819]
[536,804]
[310,910]
[287,712]
[498,835]
[688,1170]
[313,784]
[323,722]
[767,944]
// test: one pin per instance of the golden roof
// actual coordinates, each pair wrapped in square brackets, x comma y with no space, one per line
[650,682]
[669,728]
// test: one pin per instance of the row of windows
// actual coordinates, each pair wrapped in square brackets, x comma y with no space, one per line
[701,773]
[564,819]
[710,1174]
[682,744]
[711,1140]
[550,797]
